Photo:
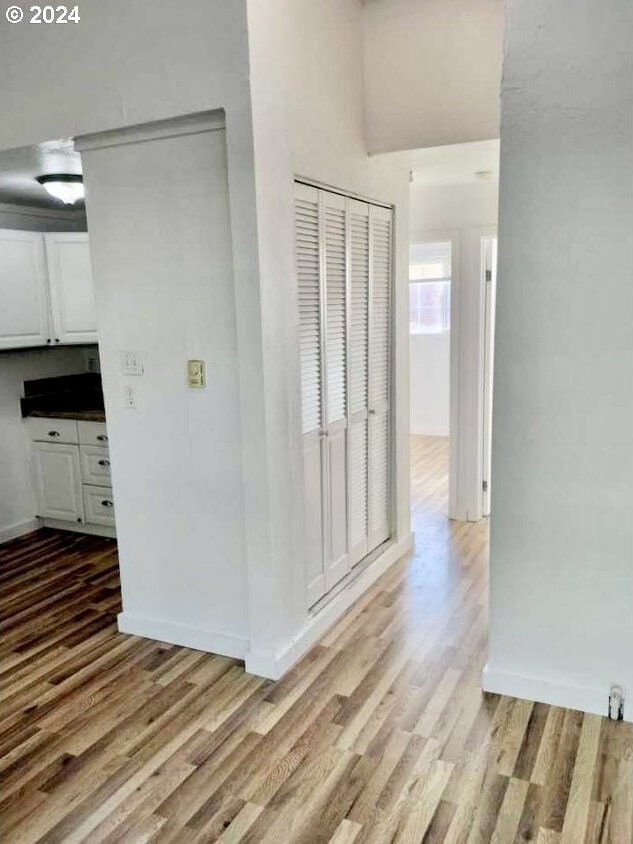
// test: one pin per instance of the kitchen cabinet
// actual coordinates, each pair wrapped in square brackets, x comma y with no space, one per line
[24,309]
[71,466]
[58,481]
[46,289]
[73,316]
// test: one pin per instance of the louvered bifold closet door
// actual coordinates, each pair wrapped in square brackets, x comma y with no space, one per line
[309,296]
[334,234]
[379,375]
[358,377]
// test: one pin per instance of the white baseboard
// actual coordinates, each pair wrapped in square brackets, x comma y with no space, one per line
[431,432]
[180,634]
[13,531]
[275,666]
[92,530]
[582,698]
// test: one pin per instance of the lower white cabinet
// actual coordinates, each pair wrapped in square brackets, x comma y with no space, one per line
[71,465]
[58,481]
[98,505]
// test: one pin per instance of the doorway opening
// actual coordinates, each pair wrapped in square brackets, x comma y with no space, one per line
[57,521]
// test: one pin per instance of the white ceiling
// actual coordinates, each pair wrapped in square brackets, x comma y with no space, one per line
[452,165]
[19,168]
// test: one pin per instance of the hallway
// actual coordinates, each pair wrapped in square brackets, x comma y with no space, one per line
[381,733]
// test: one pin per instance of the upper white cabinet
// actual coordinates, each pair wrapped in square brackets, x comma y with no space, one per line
[24,309]
[46,289]
[71,289]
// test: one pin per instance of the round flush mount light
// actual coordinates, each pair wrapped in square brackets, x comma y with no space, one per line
[68,187]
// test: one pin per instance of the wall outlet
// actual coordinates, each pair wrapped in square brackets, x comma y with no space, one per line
[131,363]
[92,362]
[129,397]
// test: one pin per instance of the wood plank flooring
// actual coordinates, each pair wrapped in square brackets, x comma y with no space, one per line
[381,733]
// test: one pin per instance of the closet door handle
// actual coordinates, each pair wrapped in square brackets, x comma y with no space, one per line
[104,463]
[54,434]
[107,503]
[102,438]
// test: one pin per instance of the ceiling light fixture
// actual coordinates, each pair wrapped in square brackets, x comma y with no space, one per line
[68,187]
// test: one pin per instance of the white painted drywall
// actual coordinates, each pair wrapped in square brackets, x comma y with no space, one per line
[17,497]
[430,360]
[432,72]
[307,81]
[161,256]
[561,626]
[462,213]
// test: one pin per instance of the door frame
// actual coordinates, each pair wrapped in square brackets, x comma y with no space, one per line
[467,347]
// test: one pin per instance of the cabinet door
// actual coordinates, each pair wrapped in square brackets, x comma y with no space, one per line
[58,481]
[23,290]
[71,287]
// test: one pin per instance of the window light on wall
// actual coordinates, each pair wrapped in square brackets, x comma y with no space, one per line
[430,287]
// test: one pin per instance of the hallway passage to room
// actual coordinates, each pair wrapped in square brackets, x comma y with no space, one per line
[381,733]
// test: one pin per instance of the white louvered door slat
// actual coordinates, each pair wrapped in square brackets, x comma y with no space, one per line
[358,340]
[334,228]
[379,377]
[308,264]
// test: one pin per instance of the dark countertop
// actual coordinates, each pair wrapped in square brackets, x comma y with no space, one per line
[83,415]
[65,397]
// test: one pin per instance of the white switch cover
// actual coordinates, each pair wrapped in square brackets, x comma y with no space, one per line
[129,397]
[131,363]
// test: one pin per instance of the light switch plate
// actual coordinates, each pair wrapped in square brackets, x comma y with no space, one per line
[195,373]
[131,363]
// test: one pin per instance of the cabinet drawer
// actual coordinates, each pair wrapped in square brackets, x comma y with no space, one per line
[95,465]
[98,505]
[52,430]
[92,433]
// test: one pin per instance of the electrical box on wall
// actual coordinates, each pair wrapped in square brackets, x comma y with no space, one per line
[195,373]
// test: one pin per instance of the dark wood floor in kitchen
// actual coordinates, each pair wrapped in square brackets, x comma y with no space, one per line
[380,734]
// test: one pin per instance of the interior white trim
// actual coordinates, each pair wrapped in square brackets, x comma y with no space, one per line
[314,183]
[19,529]
[582,698]
[275,666]
[94,530]
[189,124]
[180,634]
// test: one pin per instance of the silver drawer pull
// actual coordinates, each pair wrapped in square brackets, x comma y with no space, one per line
[54,434]
[102,438]
[104,463]
[106,503]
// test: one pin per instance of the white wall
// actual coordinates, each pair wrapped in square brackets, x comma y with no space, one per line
[307,78]
[462,213]
[17,499]
[561,626]
[432,72]
[161,256]
[430,360]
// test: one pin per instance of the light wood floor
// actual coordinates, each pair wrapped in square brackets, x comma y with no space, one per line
[381,733]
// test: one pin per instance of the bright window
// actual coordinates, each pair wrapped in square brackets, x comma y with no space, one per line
[430,287]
